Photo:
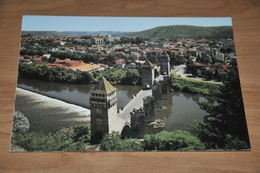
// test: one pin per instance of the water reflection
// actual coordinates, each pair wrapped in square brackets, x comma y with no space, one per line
[75,93]
[180,109]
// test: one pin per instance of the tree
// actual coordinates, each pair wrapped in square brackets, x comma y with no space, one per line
[113,142]
[85,77]
[52,59]
[189,65]
[153,59]
[226,120]
[176,140]
[111,57]
[132,77]
[67,139]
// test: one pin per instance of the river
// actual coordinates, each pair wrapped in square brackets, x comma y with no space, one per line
[180,109]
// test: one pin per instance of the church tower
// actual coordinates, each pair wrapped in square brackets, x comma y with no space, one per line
[103,107]
[165,64]
[147,75]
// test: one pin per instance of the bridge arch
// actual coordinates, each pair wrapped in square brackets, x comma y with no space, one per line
[97,137]
[126,131]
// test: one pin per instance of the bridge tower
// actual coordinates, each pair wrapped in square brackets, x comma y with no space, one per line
[103,107]
[165,64]
[147,75]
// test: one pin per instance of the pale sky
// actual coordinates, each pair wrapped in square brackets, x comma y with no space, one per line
[128,24]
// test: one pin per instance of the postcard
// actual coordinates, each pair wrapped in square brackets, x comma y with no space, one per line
[128,84]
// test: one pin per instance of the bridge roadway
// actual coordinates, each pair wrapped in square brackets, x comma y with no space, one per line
[124,117]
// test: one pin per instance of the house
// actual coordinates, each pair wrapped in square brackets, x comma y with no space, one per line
[62,43]
[120,63]
[134,49]
[46,56]
[97,41]
[131,65]
[53,49]
[120,54]
[134,54]
[112,39]
[198,65]
[85,68]
[225,68]
[220,57]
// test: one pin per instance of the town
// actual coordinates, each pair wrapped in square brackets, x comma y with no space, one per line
[77,54]
[159,65]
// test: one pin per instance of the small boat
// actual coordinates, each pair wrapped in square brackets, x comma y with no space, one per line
[158,123]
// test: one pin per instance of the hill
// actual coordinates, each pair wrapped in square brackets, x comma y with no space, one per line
[176,31]
[114,33]
[74,33]
[47,33]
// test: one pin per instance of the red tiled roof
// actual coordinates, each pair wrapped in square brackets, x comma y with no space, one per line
[120,60]
[26,60]
[198,64]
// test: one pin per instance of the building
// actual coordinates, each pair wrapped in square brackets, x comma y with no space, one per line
[120,63]
[220,57]
[62,43]
[84,68]
[147,75]
[103,107]
[97,41]
[165,64]
[112,39]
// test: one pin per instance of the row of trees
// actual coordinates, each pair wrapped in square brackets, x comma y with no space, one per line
[67,139]
[32,52]
[127,76]
[78,137]
[176,140]
[43,72]
[132,40]
[213,72]
[194,87]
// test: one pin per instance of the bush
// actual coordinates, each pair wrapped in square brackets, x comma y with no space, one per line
[67,139]
[113,142]
[176,140]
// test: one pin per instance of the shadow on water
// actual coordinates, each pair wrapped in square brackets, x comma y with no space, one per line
[180,109]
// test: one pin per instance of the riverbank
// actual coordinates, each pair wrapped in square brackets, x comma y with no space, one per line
[47,114]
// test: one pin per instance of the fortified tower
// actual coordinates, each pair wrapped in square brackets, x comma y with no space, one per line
[147,75]
[103,107]
[165,64]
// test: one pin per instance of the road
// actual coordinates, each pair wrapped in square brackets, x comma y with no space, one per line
[181,72]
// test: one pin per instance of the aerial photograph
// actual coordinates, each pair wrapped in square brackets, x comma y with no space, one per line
[98,84]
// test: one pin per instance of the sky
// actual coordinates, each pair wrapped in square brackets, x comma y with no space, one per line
[127,24]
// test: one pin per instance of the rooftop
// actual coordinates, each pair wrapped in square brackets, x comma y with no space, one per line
[103,87]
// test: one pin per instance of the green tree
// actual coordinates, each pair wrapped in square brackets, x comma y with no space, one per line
[132,77]
[176,140]
[85,77]
[111,57]
[113,142]
[67,139]
[226,120]
[153,59]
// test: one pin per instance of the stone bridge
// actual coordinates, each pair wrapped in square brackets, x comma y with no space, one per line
[124,117]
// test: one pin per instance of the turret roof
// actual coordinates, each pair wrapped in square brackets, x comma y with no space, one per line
[147,63]
[164,53]
[103,87]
